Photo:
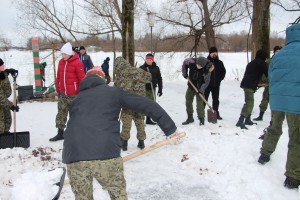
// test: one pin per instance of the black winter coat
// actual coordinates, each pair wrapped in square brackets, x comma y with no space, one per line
[254,71]
[93,129]
[156,76]
[218,74]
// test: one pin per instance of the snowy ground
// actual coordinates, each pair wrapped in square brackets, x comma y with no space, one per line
[222,162]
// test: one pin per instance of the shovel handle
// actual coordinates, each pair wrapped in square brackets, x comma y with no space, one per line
[201,96]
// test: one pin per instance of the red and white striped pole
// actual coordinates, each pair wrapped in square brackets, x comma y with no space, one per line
[36,63]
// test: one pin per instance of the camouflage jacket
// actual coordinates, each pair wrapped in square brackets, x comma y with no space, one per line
[5,91]
[129,78]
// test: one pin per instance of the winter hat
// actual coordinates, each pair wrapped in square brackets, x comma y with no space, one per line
[262,54]
[67,49]
[82,47]
[276,48]
[213,49]
[1,62]
[107,59]
[201,61]
[149,56]
[97,71]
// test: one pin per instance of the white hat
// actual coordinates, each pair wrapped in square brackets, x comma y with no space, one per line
[67,49]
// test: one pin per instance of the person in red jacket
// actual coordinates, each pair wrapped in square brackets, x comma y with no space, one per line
[69,74]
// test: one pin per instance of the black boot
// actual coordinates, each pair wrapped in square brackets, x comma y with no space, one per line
[260,117]
[201,119]
[190,119]
[149,121]
[141,144]
[241,123]
[124,144]
[263,159]
[218,116]
[291,183]
[248,121]
[59,136]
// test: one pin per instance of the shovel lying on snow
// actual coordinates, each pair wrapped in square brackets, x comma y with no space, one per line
[211,114]
[147,149]
[16,139]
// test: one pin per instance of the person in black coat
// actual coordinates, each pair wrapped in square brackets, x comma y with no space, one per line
[254,71]
[217,75]
[150,66]
[92,144]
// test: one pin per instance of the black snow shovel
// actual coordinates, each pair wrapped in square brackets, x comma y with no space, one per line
[15,139]
[211,114]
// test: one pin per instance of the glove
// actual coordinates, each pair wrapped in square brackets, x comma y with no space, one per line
[12,71]
[185,76]
[14,108]
[201,92]
[58,94]
[159,93]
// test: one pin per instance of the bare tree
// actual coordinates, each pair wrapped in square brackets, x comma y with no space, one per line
[289,6]
[46,17]
[260,26]
[196,18]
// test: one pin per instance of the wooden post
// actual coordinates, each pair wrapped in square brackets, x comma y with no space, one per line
[53,60]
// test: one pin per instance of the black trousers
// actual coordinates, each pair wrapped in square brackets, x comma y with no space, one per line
[215,91]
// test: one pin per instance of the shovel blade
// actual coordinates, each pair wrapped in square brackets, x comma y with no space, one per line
[7,140]
[212,116]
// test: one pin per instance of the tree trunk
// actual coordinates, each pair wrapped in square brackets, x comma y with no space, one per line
[208,28]
[128,30]
[260,26]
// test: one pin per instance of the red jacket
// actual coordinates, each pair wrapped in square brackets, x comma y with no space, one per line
[69,74]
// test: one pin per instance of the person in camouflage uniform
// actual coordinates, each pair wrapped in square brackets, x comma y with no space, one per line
[133,80]
[265,98]
[5,104]
[198,71]
[284,87]
[92,144]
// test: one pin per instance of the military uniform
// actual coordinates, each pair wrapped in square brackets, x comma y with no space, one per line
[5,104]
[133,80]
[200,78]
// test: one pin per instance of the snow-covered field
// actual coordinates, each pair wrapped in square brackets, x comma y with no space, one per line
[222,162]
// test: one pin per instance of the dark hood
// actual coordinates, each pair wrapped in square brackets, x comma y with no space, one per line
[90,82]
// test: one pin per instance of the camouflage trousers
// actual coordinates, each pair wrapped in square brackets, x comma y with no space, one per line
[189,98]
[249,102]
[127,116]
[109,174]
[265,100]
[64,102]
[5,119]
[273,134]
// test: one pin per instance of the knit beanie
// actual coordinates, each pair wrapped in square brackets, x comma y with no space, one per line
[67,49]
[97,71]
[213,49]
[201,61]
[1,62]
[149,56]
[82,47]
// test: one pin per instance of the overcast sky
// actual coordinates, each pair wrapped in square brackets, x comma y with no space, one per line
[8,19]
